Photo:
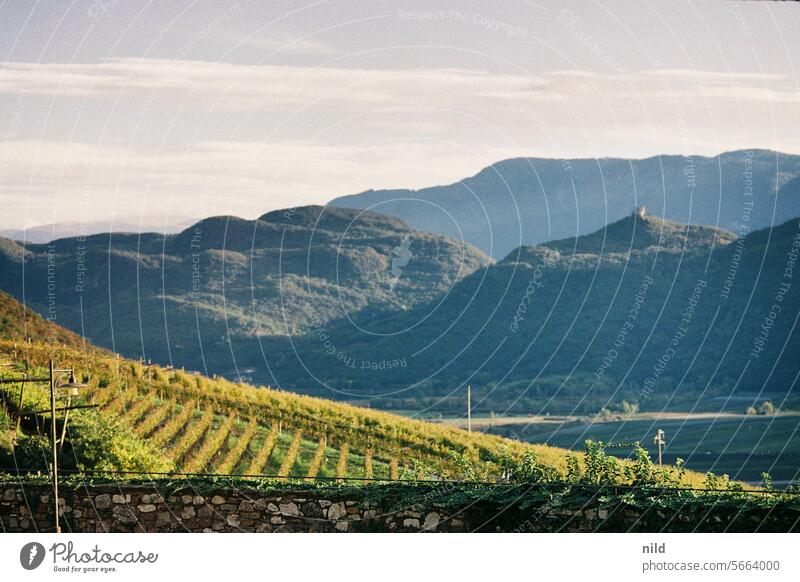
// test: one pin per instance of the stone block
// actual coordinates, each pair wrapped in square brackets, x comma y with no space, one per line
[102,501]
[337,511]
[311,509]
[431,521]
[124,514]
[289,509]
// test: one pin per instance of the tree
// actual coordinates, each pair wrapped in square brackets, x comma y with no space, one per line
[767,408]
[628,408]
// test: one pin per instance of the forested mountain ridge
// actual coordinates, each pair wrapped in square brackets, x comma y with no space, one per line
[187,299]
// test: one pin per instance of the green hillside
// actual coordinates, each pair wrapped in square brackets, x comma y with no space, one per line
[171,419]
[23,325]
[150,419]
[203,298]
[645,310]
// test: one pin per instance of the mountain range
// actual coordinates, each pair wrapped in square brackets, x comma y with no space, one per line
[352,304]
[47,232]
[528,201]
[191,299]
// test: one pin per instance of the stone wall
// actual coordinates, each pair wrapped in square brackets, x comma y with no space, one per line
[140,508]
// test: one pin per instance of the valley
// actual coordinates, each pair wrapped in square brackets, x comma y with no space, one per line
[740,445]
[277,346]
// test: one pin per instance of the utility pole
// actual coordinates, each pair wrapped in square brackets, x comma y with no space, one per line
[660,441]
[72,386]
[54,438]
[469,409]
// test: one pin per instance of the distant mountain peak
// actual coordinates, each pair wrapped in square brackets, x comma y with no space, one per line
[529,201]
[640,231]
[333,218]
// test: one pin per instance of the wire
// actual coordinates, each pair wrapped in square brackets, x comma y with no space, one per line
[590,486]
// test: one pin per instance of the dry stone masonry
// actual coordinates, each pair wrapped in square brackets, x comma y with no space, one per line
[140,508]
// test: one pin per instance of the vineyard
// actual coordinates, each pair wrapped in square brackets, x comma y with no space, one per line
[164,419]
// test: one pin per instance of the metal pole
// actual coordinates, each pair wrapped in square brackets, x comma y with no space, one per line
[19,409]
[469,409]
[64,428]
[53,432]
[660,441]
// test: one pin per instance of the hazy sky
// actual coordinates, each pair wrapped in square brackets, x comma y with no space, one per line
[155,111]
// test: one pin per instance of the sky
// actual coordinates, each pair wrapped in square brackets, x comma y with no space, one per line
[130,111]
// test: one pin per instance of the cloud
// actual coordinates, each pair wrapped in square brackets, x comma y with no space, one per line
[283,89]
[244,139]
[247,87]
[58,181]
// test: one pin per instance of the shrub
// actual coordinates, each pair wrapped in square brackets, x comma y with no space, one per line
[573,468]
[531,470]
[105,443]
[29,452]
[601,468]
[466,467]
[641,470]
